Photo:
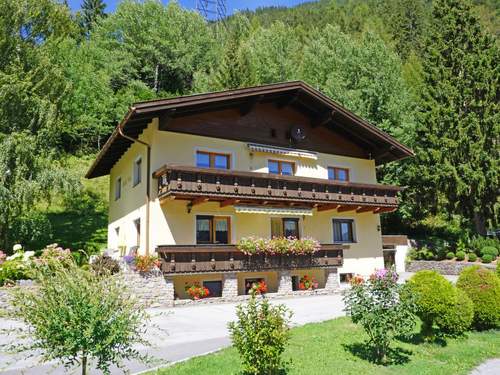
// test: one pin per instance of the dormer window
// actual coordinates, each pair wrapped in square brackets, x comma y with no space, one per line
[213,160]
[338,174]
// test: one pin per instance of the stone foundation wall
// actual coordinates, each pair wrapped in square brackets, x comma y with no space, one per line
[443,267]
[152,289]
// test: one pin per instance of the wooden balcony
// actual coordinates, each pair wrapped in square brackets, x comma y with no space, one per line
[230,187]
[183,259]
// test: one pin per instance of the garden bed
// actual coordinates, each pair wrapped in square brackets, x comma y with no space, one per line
[336,346]
[444,267]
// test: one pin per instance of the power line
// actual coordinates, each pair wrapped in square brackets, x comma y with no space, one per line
[212,10]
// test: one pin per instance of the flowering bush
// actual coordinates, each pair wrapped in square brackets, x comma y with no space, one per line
[259,287]
[278,245]
[308,283]
[142,263]
[55,253]
[196,291]
[15,267]
[146,263]
[377,305]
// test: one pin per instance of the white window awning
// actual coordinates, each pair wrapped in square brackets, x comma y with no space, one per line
[273,210]
[255,147]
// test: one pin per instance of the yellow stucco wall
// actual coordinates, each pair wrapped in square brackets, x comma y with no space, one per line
[171,224]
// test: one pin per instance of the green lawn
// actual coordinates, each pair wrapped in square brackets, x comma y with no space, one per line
[335,347]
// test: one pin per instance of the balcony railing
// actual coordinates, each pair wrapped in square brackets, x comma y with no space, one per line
[236,187]
[178,259]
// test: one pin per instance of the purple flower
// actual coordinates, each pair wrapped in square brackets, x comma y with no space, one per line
[129,259]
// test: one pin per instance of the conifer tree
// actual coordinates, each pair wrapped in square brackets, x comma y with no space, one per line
[92,10]
[457,168]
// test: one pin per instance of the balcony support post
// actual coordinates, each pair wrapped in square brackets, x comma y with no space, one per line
[284,282]
[229,285]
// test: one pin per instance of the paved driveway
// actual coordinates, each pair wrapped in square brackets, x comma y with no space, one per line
[183,332]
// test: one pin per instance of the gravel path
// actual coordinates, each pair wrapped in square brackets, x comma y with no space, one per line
[490,367]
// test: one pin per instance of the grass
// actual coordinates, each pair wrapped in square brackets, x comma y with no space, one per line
[336,347]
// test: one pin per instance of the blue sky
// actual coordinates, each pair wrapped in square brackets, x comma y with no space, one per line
[232,5]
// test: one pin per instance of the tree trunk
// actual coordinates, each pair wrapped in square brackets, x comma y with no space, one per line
[157,69]
[84,365]
[480,223]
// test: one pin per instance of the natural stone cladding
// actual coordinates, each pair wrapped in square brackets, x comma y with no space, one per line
[443,267]
[153,289]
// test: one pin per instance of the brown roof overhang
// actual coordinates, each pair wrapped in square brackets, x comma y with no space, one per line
[141,114]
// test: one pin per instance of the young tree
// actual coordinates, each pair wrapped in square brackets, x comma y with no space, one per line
[457,168]
[76,316]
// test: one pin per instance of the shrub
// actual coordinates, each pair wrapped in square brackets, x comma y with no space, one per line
[487,258]
[260,335]
[13,270]
[460,255]
[75,316]
[478,243]
[472,257]
[498,269]
[483,288]
[378,306]
[489,250]
[105,265]
[450,255]
[439,304]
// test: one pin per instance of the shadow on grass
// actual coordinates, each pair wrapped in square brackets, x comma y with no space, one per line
[417,339]
[395,356]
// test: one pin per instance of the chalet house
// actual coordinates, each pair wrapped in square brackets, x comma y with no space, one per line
[191,176]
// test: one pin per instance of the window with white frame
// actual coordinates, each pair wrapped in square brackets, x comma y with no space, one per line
[118,188]
[137,177]
[343,231]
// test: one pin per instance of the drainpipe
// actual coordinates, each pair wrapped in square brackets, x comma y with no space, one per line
[148,168]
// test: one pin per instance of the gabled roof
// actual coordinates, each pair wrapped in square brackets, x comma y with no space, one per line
[383,147]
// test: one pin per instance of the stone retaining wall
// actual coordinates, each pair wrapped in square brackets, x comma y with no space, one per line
[443,267]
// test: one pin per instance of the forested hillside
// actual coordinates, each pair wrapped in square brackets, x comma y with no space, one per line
[425,71]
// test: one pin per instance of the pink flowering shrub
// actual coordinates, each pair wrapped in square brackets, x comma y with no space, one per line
[380,305]
[278,246]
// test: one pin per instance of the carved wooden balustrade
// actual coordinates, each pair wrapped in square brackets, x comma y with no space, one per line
[179,259]
[236,187]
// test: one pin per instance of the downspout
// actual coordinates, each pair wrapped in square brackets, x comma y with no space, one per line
[148,168]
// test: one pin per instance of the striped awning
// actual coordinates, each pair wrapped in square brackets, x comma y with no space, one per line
[273,210]
[255,147]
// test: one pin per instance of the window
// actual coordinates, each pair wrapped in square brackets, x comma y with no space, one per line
[339,174]
[213,229]
[137,225]
[215,288]
[137,171]
[285,168]
[118,188]
[343,230]
[213,160]
[285,227]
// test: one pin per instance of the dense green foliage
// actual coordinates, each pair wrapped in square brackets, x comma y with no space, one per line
[483,288]
[440,305]
[460,255]
[377,304]
[260,335]
[76,316]
[424,71]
